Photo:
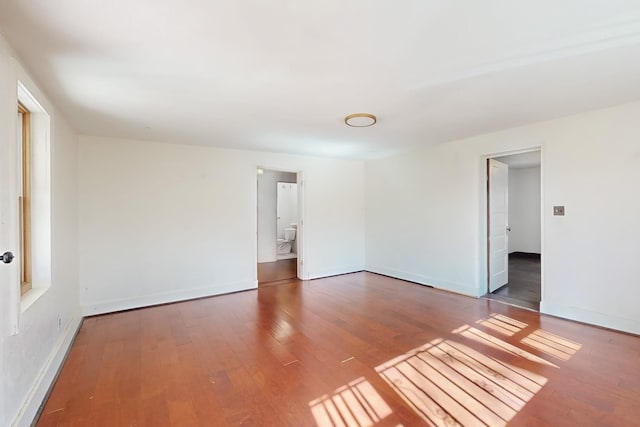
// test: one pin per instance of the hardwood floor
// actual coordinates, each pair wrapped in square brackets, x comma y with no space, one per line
[523,288]
[283,269]
[358,349]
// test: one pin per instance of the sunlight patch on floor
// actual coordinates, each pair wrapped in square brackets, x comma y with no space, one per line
[482,337]
[355,404]
[448,383]
[551,344]
[502,324]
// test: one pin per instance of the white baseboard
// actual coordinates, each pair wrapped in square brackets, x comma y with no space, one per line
[423,280]
[46,376]
[591,317]
[334,272]
[165,297]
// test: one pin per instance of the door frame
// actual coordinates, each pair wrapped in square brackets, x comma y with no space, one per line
[300,232]
[483,256]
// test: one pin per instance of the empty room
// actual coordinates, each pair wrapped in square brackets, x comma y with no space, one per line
[336,213]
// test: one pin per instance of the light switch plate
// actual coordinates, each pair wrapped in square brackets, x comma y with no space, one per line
[558,210]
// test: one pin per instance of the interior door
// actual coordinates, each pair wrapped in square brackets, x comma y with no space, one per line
[8,244]
[302,275]
[498,209]
[4,268]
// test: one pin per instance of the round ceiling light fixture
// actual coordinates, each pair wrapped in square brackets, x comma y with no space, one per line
[360,120]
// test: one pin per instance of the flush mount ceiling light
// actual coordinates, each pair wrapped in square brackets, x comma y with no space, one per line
[360,120]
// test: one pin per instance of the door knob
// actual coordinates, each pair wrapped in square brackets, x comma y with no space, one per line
[7,257]
[508,228]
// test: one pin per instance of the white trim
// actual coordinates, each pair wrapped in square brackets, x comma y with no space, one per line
[591,317]
[334,272]
[300,232]
[28,100]
[459,288]
[29,298]
[40,124]
[624,32]
[91,309]
[483,258]
[255,223]
[46,376]
[543,209]
[28,93]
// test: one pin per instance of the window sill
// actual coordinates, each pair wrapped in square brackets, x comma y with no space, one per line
[30,297]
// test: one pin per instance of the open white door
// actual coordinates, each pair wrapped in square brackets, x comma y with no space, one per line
[302,275]
[5,278]
[9,268]
[498,200]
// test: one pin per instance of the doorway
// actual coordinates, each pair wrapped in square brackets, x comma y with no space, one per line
[278,231]
[514,237]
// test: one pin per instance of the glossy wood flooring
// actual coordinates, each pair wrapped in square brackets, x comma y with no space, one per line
[523,288]
[357,350]
[283,269]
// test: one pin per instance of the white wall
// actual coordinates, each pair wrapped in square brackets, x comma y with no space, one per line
[161,222]
[31,357]
[524,210]
[267,207]
[420,222]
[426,214]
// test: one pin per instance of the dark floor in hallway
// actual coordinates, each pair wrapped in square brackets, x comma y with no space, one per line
[523,288]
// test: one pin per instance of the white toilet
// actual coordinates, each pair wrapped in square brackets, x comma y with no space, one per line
[285,245]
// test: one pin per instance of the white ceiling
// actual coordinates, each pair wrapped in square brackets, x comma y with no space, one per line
[280,75]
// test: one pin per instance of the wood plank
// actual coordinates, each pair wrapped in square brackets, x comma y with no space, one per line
[355,341]
[277,271]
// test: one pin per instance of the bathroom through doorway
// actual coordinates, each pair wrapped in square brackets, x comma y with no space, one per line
[278,231]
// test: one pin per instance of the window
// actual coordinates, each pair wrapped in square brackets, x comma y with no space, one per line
[33,186]
[24,133]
